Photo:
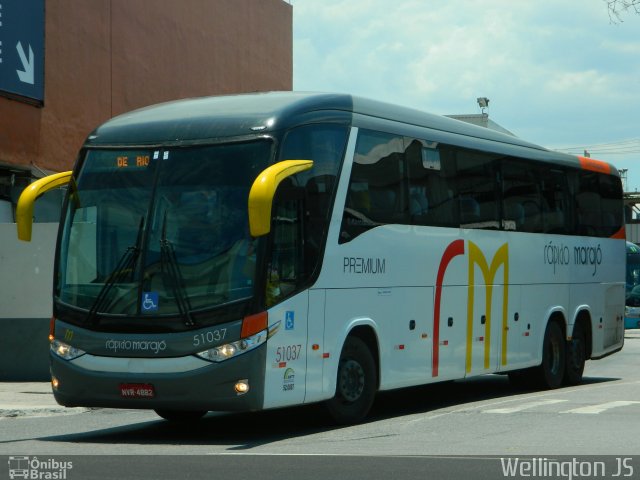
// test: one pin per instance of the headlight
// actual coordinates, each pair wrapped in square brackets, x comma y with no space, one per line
[65,351]
[229,350]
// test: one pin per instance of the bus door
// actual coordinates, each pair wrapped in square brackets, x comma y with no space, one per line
[315,345]
[289,304]
[286,363]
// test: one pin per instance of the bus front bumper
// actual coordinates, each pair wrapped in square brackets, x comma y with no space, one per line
[184,383]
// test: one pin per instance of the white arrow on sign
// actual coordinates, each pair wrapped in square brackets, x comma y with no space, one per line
[26,75]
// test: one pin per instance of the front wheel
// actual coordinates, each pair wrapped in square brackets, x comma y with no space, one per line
[356,383]
[181,416]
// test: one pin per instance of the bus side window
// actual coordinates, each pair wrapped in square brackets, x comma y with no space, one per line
[588,204]
[520,197]
[324,144]
[431,199]
[417,172]
[597,205]
[555,196]
[477,190]
[612,218]
[377,193]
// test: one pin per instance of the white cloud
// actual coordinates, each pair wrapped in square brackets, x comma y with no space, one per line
[557,73]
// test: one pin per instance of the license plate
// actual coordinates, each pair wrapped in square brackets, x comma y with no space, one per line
[137,390]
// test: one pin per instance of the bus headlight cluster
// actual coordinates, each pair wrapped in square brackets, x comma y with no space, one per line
[230,350]
[65,351]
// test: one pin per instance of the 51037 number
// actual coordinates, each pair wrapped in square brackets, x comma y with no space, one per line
[207,338]
[288,353]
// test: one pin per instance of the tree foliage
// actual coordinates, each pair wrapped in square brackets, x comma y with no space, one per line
[618,8]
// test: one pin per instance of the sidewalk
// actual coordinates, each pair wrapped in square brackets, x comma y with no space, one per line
[19,399]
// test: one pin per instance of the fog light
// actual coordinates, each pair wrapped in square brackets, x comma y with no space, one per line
[54,383]
[242,386]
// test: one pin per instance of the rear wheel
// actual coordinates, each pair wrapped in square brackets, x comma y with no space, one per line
[356,383]
[181,415]
[551,372]
[576,356]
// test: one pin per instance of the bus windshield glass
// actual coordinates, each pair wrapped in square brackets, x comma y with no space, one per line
[160,231]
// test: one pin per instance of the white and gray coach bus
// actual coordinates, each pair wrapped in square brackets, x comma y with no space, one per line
[240,253]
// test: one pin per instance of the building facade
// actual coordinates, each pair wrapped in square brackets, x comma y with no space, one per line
[90,61]
[105,57]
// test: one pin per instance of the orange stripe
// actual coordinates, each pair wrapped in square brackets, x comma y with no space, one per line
[594,165]
[254,324]
[620,234]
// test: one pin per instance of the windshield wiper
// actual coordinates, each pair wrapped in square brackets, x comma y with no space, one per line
[168,258]
[125,265]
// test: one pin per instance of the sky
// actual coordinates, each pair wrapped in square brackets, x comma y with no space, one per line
[558,73]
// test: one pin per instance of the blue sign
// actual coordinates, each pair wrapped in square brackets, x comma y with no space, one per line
[150,301]
[22,49]
[289,320]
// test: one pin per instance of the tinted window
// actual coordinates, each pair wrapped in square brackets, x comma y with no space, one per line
[377,190]
[477,195]
[324,144]
[612,212]
[598,205]
[431,172]
[419,182]
[522,210]
[556,214]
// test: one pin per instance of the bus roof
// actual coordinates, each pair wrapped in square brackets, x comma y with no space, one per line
[202,120]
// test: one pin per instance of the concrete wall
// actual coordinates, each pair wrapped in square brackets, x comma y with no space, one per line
[26,280]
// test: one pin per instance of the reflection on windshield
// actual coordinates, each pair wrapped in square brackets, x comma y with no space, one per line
[197,252]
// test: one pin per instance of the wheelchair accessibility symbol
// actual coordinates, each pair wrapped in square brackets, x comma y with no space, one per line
[289,320]
[149,301]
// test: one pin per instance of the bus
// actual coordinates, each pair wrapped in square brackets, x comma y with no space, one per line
[632,305]
[256,251]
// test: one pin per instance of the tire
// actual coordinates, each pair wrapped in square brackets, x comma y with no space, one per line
[551,372]
[576,356]
[356,384]
[182,416]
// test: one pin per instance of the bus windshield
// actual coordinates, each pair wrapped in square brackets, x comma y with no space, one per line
[160,231]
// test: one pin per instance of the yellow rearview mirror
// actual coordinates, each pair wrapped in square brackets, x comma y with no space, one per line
[24,209]
[263,190]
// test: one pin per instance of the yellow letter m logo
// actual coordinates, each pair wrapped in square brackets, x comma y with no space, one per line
[476,257]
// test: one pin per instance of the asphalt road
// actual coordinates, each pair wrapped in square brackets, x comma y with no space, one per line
[456,430]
